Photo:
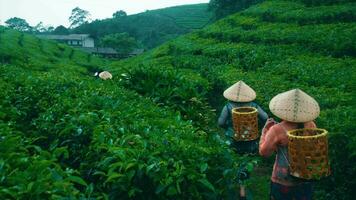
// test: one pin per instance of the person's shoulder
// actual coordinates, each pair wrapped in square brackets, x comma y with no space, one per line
[230,104]
[225,108]
[254,104]
[310,124]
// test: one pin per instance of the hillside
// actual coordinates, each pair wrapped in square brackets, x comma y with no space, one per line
[191,17]
[149,132]
[274,46]
[154,27]
[66,135]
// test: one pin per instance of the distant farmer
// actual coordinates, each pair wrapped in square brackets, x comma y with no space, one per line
[240,95]
[297,110]
[103,75]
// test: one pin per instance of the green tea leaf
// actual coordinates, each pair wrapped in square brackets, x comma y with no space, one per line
[207,184]
[77,179]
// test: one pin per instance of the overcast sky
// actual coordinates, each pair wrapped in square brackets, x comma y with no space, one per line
[57,12]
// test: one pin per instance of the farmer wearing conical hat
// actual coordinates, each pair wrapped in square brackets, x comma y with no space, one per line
[296,109]
[105,75]
[240,95]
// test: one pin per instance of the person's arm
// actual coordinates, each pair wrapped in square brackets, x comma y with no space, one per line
[222,121]
[269,140]
[269,123]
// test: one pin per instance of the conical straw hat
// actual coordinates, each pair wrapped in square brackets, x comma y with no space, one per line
[240,92]
[105,75]
[295,106]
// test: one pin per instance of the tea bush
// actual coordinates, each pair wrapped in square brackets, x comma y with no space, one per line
[277,46]
[148,133]
[289,12]
[180,90]
[66,134]
[29,172]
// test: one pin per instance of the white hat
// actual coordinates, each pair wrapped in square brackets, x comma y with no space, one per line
[294,106]
[105,75]
[240,92]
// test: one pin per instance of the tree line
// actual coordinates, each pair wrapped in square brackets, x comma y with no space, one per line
[121,31]
[122,42]
[77,18]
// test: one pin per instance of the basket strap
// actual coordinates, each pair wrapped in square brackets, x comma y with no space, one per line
[229,109]
[285,157]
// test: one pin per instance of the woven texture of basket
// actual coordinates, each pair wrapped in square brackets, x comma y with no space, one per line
[245,123]
[308,153]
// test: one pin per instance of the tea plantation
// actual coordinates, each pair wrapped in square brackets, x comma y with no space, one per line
[67,135]
[149,132]
[274,46]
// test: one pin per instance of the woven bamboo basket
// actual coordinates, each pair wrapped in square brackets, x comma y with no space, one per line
[245,123]
[308,153]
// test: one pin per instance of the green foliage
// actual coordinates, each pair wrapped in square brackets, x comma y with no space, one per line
[328,39]
[29,172]
[122,42]
[223,8]
[187,16]
[274,46]
[60,30]
[180,90]
[323,2]
[148,133]
[18,24]
[154,27]
[78,17]
[284,11]
[119,14]
[68,135]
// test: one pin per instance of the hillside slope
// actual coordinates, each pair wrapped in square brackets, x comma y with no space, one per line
[274,46]
[67,135]
[154,27]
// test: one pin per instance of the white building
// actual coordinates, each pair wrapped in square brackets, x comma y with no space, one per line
[75,40]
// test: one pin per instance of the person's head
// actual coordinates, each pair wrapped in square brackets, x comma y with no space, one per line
[240,92]
[295,106]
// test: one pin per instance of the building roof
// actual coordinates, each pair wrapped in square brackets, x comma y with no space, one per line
[99,50]
[65,37]
[137,51]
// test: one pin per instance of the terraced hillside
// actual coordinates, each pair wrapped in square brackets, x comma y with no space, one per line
[274,46]
[194,16]
[154,27]
[67,135]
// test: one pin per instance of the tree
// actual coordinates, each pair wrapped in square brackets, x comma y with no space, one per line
[222,8]
[40,28]
[121,42]
[78,17]
[50,29]
[61,30]
[119,14]
[18,24]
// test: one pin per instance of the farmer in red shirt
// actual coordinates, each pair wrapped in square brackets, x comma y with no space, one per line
[296,109]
